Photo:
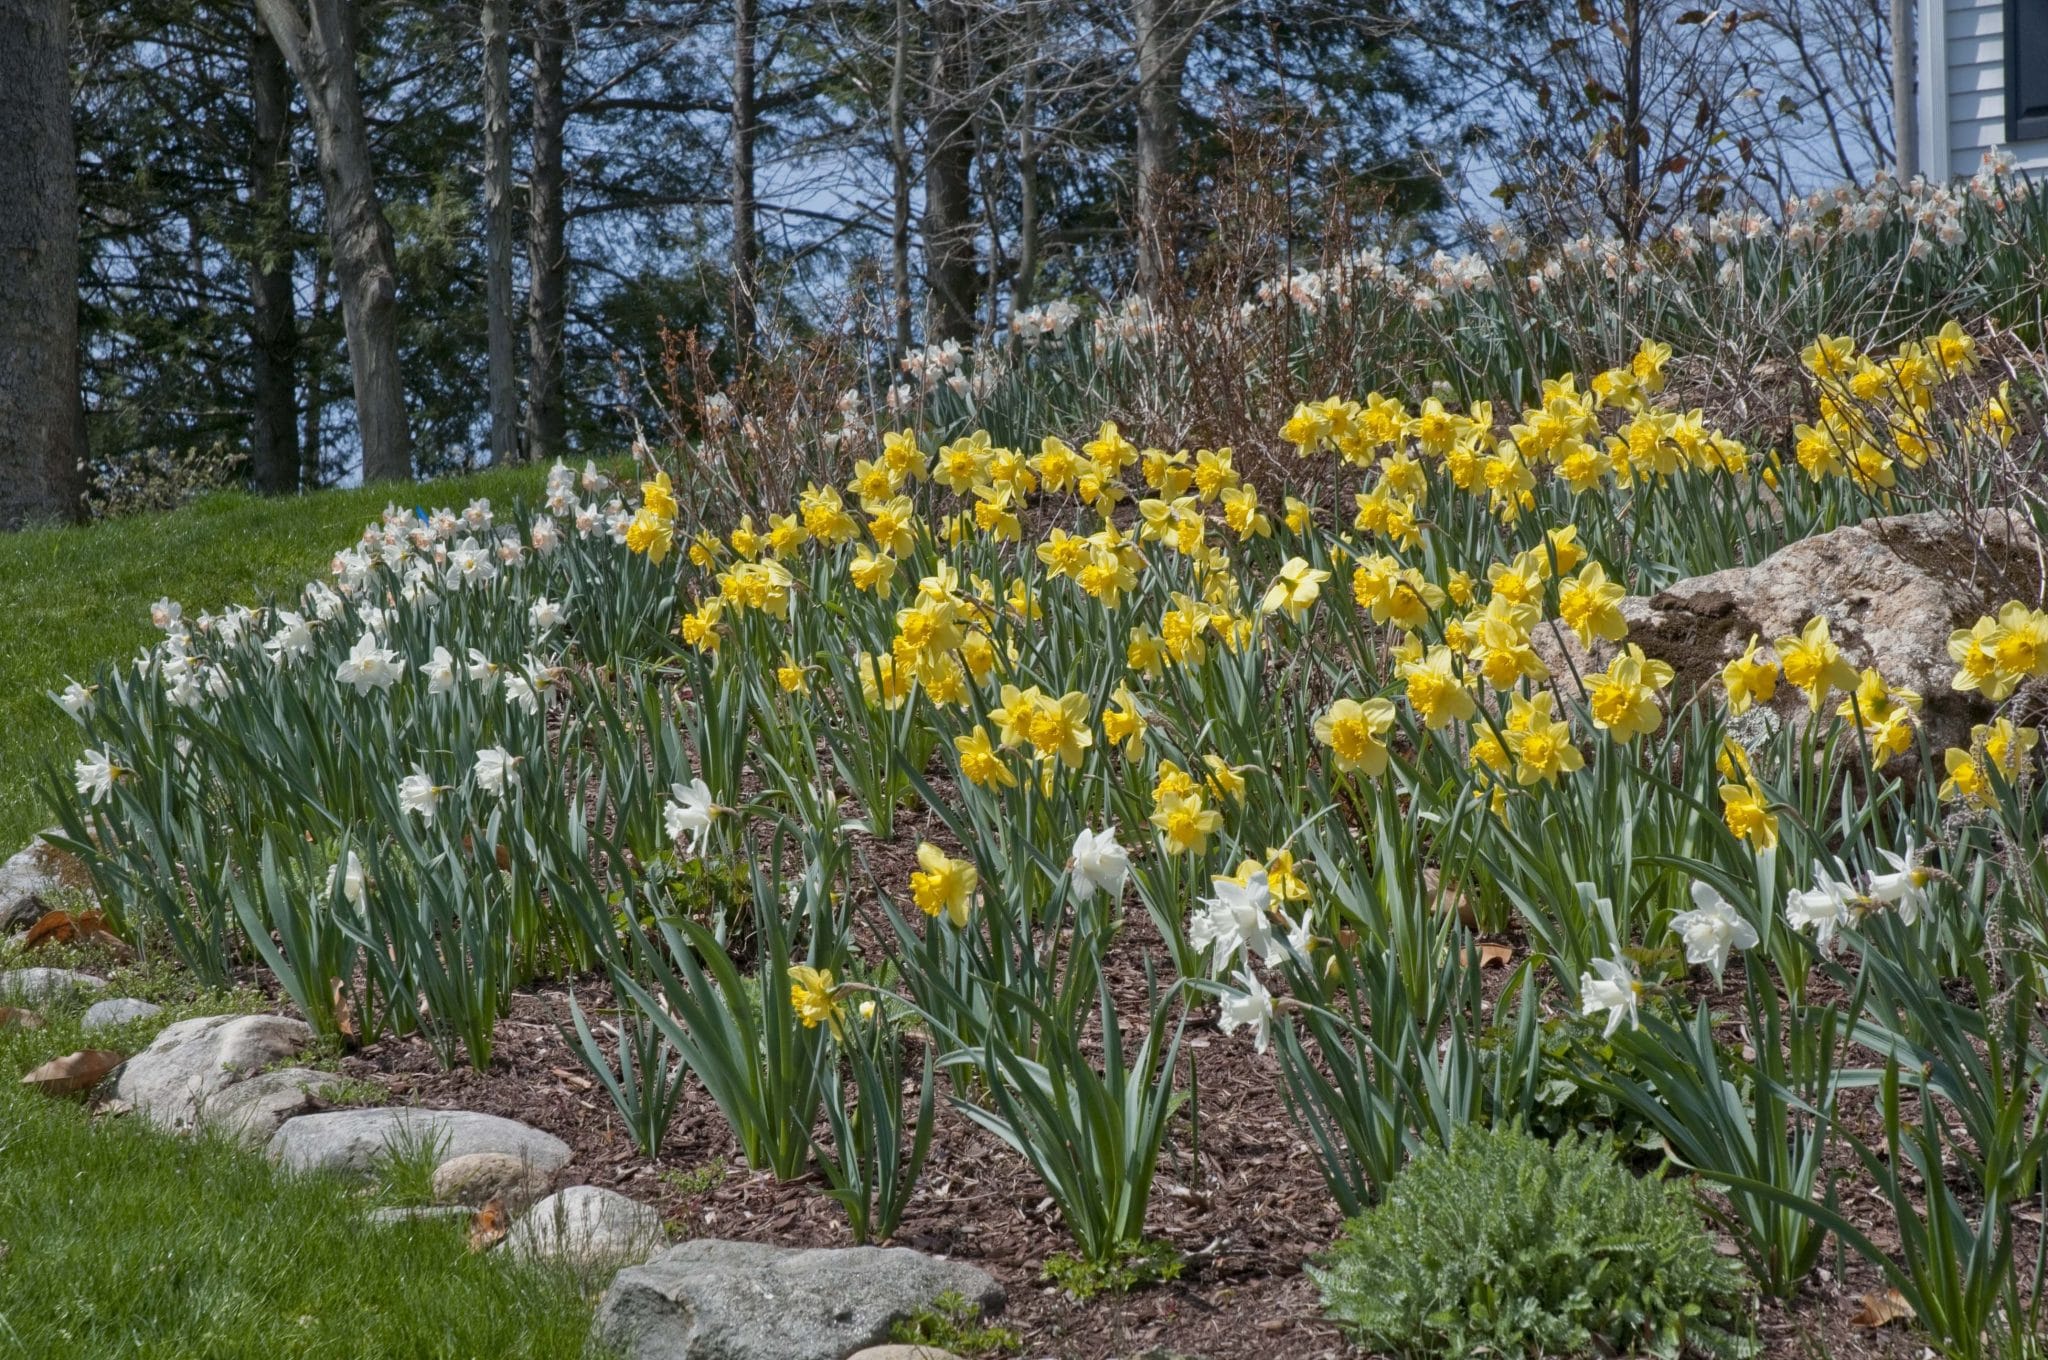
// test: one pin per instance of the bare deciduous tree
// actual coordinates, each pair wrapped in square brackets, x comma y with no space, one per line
[319,45]
[547,236]
[495,22]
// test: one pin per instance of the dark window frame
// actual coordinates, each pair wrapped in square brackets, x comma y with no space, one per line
[2031,124]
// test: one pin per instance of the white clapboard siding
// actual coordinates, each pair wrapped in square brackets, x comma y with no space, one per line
[1962,101]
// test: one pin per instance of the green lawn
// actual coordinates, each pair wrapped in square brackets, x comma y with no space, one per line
[117,1240]
[74,599]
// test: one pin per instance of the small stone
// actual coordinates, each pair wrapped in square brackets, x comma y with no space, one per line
[32,986]
[33,878]
[176,1082]
[417,1213]
[715,1300]
[480,1177]
[589,1228]
[116,1011]
[358,1142]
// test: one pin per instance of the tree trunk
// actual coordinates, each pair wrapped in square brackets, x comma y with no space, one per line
[504,374]
[1025,284]
[1633,132]
[41,444]
[899,167]
[273,312]
[547,254]
[745,293]
[948,171]
[1905,113]
[320,47]
[1163,35]
[312,448]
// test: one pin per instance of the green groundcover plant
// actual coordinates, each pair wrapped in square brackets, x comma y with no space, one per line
[1510,1246]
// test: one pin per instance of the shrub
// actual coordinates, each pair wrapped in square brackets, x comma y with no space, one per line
[1508,1245]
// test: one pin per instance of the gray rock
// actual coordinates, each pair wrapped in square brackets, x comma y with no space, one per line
[480,1177]
[252,1110]
[32,879]
[33,986]
[1892,591]
[176,1082]
[589,1228]
[716,1300]
[417,1213]
[116,1011]
[356,1142]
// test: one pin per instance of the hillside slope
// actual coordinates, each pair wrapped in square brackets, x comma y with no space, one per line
[74,598]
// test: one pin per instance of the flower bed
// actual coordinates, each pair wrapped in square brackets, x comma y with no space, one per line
[973,793]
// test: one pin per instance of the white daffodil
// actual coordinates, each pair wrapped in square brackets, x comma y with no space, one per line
[688,815]
[1830,903]
[1250,1005]
[469,564]
[1905,887]
[369,666]
[482,670]
[1098,865]
[351,878]
[1234,919]
[233,624]
[545,614]
[326,604]
[496,770]
[440,672]
[1614,990]
[418,793]
[292,640]
[1712,929]
[95,772]
[182,687]
[76,698]
[519,692]
[545,535]
[165,613]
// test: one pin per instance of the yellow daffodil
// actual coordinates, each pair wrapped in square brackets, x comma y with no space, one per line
[1748,814]
[1813,662]
[814,997]
[1184,824]
[1295,589]
[1356,733]
[943,884]
[1749,680]
[1623,699]
[1543,747]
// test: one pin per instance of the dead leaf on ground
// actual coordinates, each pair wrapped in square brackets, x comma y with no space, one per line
[80,1071]
[15,1015]
[344,1014]
[60,927]
[1492,954]
[1881,1310]
[489,1227]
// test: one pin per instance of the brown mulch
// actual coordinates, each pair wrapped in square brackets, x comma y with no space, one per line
[1245,1212]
